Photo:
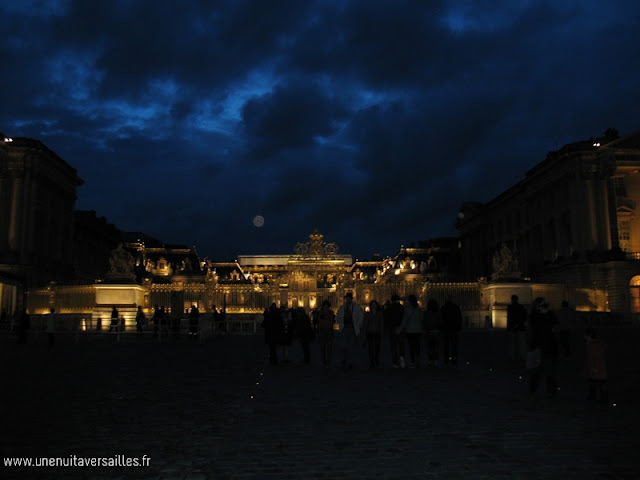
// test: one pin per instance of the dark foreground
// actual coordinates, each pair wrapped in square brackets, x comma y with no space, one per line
[218,410]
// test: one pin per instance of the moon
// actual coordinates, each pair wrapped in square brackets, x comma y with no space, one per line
[258,221]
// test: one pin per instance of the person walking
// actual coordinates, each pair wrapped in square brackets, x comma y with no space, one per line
[516,330]
[51,326]
[141,319]
[114,320]
[303,331]
[286,329]
[451,326]
[372,325]
[412,324]
[272,332]
[314,319]
[393,318]
[24,325]
[433,324]
[155,319]
[349,320]
[326,320]
[542,341]
[194,320]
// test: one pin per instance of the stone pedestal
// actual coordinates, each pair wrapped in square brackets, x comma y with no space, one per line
[125,297]
[498,297]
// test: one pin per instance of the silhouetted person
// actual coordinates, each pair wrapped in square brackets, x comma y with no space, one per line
[141,319]
[194,319]
[349,320]
[516,330]
[451,326]
[114,319]
[270,323]
[216,319]
[373,325]
[24,325]
[164,319]
[51,326]
[303,331]
[541,336]
[326,319]
[412,325]
[393,318]
[287,329]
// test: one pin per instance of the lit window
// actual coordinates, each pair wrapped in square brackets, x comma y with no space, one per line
[624,234]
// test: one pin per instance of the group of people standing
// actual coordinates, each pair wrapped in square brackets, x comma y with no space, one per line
[281,326]
[401,325]
[540,337]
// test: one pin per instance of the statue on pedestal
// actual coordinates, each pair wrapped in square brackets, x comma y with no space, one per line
[122,264]
[505,266]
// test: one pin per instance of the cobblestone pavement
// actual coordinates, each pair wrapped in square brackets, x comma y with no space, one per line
[219,410]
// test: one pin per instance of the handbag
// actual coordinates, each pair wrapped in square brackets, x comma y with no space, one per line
[533,359]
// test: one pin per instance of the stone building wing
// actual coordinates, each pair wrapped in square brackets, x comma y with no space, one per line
[38,191]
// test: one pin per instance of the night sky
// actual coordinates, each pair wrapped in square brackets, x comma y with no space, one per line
[371,121]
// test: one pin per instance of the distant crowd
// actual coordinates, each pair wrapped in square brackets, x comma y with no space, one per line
[535,339]
[402,325]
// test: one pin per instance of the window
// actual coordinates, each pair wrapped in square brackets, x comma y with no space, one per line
[624,234]
[618,183]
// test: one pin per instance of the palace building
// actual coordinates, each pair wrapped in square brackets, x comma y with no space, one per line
[37,199]
[567,231]
[572,220]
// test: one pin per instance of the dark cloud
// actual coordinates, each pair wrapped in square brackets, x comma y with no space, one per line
[293,116]
[369,121]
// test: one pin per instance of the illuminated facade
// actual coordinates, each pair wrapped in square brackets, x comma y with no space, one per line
[567,231]
[572,220]
[146,273]
[168,277]
[37,199]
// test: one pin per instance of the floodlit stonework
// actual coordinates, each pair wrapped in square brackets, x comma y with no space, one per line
[573,221]
[568,231]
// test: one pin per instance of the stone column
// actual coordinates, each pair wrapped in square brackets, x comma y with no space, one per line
[29,226]
[593,239]
[17,215]
[6,206]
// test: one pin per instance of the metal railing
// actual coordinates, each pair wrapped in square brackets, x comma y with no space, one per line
[170,328]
